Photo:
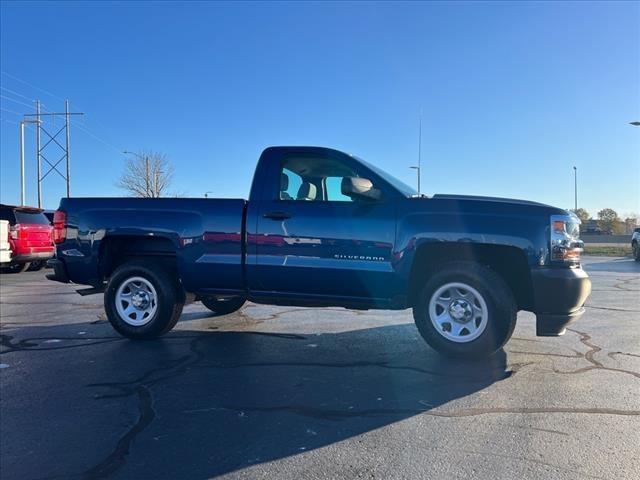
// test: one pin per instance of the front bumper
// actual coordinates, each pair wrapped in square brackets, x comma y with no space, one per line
[559,296]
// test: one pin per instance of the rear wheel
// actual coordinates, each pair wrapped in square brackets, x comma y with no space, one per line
[636,252]
[16,268]
[143,300]
[35,266]
[223,307]
[465,310]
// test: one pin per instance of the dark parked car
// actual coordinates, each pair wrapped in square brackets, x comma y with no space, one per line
[30,238]
[323,228]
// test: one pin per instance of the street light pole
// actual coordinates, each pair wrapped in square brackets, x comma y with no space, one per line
[575,188]
[419,167]
[148,186]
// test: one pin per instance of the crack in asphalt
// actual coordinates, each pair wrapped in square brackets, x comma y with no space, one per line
[515,367]
[117,458]
[585,339]
[545,354]
[139,387]
[335,415]
[32,344]
[625,281]
[72,304]
[613,309]
[613,354]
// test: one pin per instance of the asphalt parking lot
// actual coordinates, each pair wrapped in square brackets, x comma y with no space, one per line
[277,392]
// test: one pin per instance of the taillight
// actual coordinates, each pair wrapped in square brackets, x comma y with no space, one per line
[59,226]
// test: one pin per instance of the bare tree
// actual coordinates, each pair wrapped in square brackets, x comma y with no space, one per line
[147,175]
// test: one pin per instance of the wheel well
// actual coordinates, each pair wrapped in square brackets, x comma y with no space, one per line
[508,262]
[114,251]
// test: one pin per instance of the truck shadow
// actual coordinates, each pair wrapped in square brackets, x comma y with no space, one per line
[211,403]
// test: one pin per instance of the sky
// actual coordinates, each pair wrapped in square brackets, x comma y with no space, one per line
[513,95]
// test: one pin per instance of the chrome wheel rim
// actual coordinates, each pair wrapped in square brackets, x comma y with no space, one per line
[458,312]
[136,301]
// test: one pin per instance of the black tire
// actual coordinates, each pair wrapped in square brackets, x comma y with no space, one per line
[16,268]
[35,266]
[223,307]
[636,251]
[500,304]
[169,301]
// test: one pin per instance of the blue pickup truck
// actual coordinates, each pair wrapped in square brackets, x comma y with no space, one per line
[324,228]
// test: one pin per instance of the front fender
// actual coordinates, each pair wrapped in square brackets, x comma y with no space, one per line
[416,229]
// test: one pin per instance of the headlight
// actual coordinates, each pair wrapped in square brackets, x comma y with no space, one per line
[566,245]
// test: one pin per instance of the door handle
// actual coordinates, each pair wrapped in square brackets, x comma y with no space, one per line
[277,215]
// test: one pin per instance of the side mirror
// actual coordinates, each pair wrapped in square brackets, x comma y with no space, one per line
[360,188]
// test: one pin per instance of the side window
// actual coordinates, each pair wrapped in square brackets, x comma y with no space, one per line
[289,184]
[333,187]
[319,179]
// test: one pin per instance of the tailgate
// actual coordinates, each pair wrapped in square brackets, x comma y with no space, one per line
[35,235]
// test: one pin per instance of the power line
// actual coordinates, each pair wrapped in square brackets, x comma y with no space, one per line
[91,134]
[16,93]
[32,85]
[10,111]
[81,127]
[16,101]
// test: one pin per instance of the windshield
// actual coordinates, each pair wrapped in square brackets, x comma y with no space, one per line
[405,189]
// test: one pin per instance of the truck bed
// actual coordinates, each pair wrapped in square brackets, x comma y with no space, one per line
[205,234]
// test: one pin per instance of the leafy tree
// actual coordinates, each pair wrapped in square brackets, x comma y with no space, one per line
[608,221]
[630,223]
[583,215]
[147,175]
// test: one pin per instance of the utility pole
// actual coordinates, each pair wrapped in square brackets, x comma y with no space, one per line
[22,164]
[67,124]
[575,188]
[419,150]
[419,167]
[22,177]
[146,177]
[53,138]
[38,154]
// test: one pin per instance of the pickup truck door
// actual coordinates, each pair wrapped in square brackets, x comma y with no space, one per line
[326,246]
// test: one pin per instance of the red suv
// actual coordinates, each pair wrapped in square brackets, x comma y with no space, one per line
[30,238]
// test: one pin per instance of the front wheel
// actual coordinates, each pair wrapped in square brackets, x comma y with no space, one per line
[636,252]
[143,300]
[465,310]
[223,307]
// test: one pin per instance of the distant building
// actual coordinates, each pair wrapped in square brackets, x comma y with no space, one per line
[591,227]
